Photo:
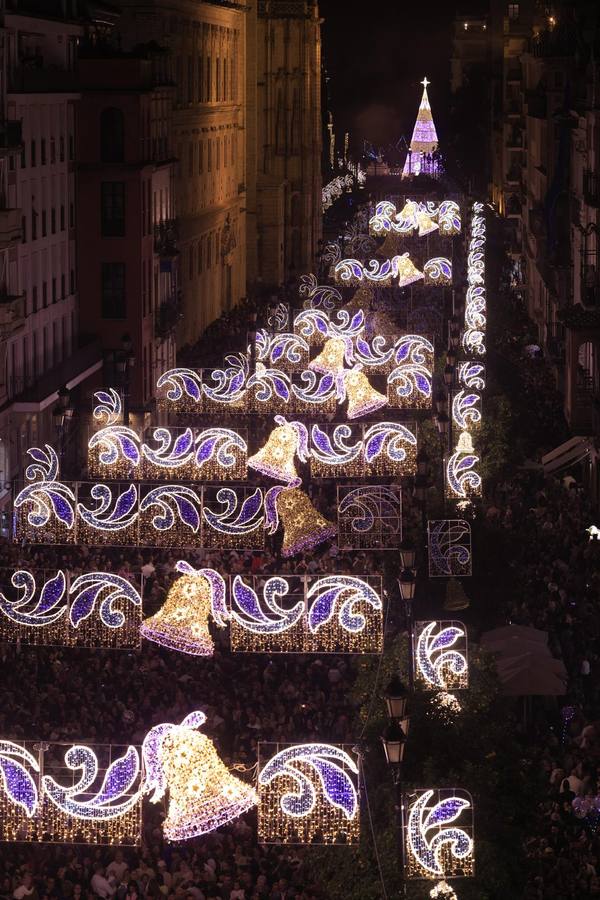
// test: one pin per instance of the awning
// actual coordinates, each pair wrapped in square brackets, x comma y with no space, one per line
[567,454]
[80,365]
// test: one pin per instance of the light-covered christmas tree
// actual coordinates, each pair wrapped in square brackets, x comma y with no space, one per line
[424,141]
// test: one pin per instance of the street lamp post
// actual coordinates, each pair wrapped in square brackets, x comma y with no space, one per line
[62,414]
[407,583]
[394,743]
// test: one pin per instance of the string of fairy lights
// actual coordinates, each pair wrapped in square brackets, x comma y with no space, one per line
[315,374]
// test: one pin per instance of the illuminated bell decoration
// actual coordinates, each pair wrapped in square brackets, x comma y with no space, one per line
[203,794]
[425,223]
[407,271]
[303,527]
[408,212]
[182,621]
[362,397]
[277,457]
[331,358]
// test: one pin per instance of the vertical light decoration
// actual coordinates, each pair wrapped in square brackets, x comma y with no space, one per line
[233,517]
[369,516]
[44,510]
[449,548]
[277,458]
[475,306]
[462,481]
[180,390]
[441,656]
[108,408]
[182,622]
[202,794]
[438,834]
[309,794]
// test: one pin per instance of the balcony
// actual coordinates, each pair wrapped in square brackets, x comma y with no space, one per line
[12,313]
[591,188]
[10,136]
[165,238]
[167,316]
[514,140]
[590,287]
[35,78]
[555,342]
[10,227]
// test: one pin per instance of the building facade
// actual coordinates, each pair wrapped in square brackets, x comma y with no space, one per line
[41,347]
[126,218]
[205,43]
[284,139]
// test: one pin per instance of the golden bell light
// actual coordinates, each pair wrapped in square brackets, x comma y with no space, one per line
[408,214]
[407,271]
[331,358]
[425,223]
[362,397]
[202,793]
[182,621]
[303,526]
[277,458]
[391,245]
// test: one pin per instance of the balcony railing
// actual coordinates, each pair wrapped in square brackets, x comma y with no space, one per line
[555,341]
[591,188]
[165,238]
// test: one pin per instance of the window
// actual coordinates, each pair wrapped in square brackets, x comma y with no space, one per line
[72,281]
[44,223]
[61,145]
[112,135]
[218,79]
[208,79]
[53,220]
[44,294]
[191,160]
[62,217]
[113,290]
[513,11]
[200,254]
[200,157]
[24,229]
[71,215]
[54,295]
[34,299]
[209,155]
[43,152]
[23,158]
[52,151]
[34,216]
[200,79]
[33,154]
[63,286]
[71,147]
[112,208]
[190,80]
[191,263]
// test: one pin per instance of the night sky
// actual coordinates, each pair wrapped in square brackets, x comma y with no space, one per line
[376,54]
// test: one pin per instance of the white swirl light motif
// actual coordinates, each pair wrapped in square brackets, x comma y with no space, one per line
[438,667]
[373,355]
[222,445]
[461,478]
[414,348]
[287,348]
[381,222]
[18,784]
[379,271]
[114,444]
[465,412]
[312,325]
[410,380]
[177,504]
[175,449]
[449,544]
[334,451]
[369,505]
[113,799]
[49,608]
[230,385]
[248,612]
[434,855]
[279,317]
[105,590]
[438,270]
[124,509]
[318,296]
[472,375]
[387,438]
[181,385]
[49,499]
[235,520]
[331,765]
[343,593]
[320,388]
[108,408]
[331,253]
[269,385]
[348,325]
[448,217]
